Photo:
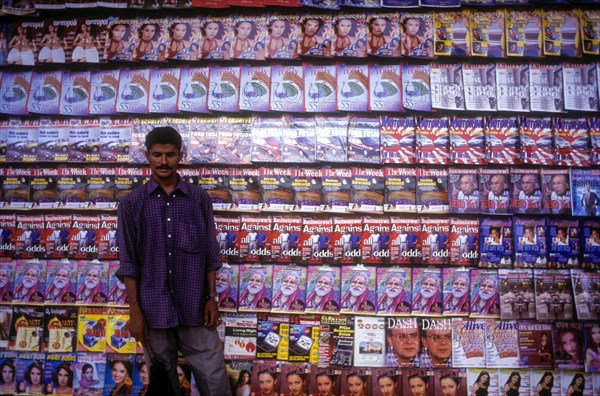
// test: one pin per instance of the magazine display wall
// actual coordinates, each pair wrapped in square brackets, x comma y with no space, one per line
[405,198]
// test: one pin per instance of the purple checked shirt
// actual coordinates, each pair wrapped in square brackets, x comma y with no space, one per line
[168,244]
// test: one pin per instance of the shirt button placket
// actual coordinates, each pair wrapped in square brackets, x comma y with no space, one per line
[170,241]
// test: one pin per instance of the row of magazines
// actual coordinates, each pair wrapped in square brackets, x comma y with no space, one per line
[482,33]
[310,88]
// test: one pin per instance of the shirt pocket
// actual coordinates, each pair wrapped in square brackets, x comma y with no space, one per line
[189,238]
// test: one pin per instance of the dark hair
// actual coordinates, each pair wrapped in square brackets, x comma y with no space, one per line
[547,373]
[143,26]
[252,33]
[481,375]
[188,29]
[219,34]
[128,366]
[301,375]
[578,375]
[455,379]
[510,378]
[163,135]
[423,378]
[37,365]
[85,367]
[303,24]
[331,377]
[372,21]
[241,376]
[394,378]
[576,336]
[273,375]
[10,364]
[353,29]
[286,30]
[363,378]
[110,30]
[63,366]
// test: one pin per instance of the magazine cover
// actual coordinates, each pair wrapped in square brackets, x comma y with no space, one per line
[316,240]
[244,189]
[249,36]
[487,33]
[22,144]
[93,282]
[405,247]
[46,92]
[367,193]
[484,379]
[353,87]
[272,337]
[128,179]
[7,277]
[134,91]
[164,89]
[385,88]
[397,137]
[203,139]
[364,139]
[432,140]
[358,289]
[181,38]
[523,33]
[30,277]
[150,39]
[287,94]
[255,237]
[468,343]
[435,240]
[193,90]
[485,297]
[452,36]
[304,336]
[586,295]
[224,88]
[76,92]
[275,189]
[7,360]
[427,291]
[29,235]
[531,247]
[295,378]
[335,189]
[356,378]
[84,141]
[305,186]
[584,184]
[451,381]
[216,37]
[120,39]
[290,283]
[416,87]
[463,190]
[234,140]
[83,240]
[403,342]
[16,185]
[375,240]
[590,245]
[61,282]
[238,373]
[383,34]
[298,137]
[561,33]
[394,294]
[255,288]
[436,338]
[267,373]
[455,291]
[118,334]
[464,241]
[400,189]
[316,35]
[517,300]
[267,138]
[580,86]
[417,35]
[323,289]
[101,187]
[546,88]
[255,84]
[496,243]
[59,373]
[535,345]
[590,31]
[592,340]
[501,343]
[447,86]
[385,381]
[526,191]
[432,191]
[568,346]
[320,88]
[563,243]
[421,380]
[26,329]
[347,240]
[286,238]
[572,142]
[114,138]
[336,342]
[119,372]
[332,138]
[537,140]
[29,35]
[467,143]
[43,188]
[556,190]
[512,87]
[240,336]
[576,381]
[369,341]
[512,380]
[27,365]
[283,31]
[104,91]
[480,86]
[16,90]
[88,44]
[553,295]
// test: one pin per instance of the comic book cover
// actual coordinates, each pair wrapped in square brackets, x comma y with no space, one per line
[385,88]
[76,92]
[275,189]
[451,37]
[467,140]
[416,87]
[298,137]
[546,88]
[485,298]
[193,90]
[400,190]
[304,336]
[128,179]
[101,187]
[496,244]
[584,184]
[397,139]
[516,294]
[353,87]
[255,288]
[568,349]
[244,189]
[61,281]
[255,84]
[523,33]
[335,189]
[535,345]
[587,302]
[203,139]
[332,138]
[494,188]
[8,225]
[537,139]
[418,378]
[432,191]
[455,291]
[16,185]
[590,31]
[481,376]
[114,139]
[287,94]
[358,289]
[487,33]
[118,335]
[305,186]
[580,85]
[105,88]
[290,283]
[117,293]
[7,271]
[463,190]
[16,88]
[316,240]
[26,328]
[561,33]
[405,238]
[22,141]
[501,343]
[28,234]
[323,289]
[480,86]
[296,378]
[234,140]
[60,330]
[394,291]
[464,241]
[267,138]
[433,140]
[364,139]
[84,140]
[375,240]
[572,142]
[590,245]
[383,34]
[530,243]
[240,336]
[347,240]
[556,190]
[286,238]
[447,86]
[89,372]
[435,240]
[43,188]
[563,243]
[544,381]
[282,38]
[164,90]
[224,88]
[320,88]
[553,295]
[134,91]
[336,345]
[367,193]
[84,240]
[427,291]
[369,341]
[508,376]
[26,363]
[512,87]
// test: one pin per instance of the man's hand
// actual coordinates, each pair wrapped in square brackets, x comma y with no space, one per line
[211,315]
[138,326]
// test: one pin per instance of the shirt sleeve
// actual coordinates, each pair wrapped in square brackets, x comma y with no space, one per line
[212,255]
[127,241]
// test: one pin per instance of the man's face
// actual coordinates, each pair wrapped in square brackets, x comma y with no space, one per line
[163,160]
[255,283]
[393,286]
[30,278]
[439,344]
[487,289]
[323,285]
[497,184]
[378,26]
[428,287]
[467,185]
[405,343]
[92,278]
[559,184]
[358,285]
[61,278]
[460,287]
[528,184]
[289,285]
[221,281]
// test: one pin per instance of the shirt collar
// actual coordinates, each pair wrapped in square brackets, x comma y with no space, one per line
[181,186]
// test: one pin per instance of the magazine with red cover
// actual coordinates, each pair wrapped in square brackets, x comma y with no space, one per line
[537,139]
[255,236]
[418,379]
[432,140]
[405,247]
[347,240]
[451,380]
[467,140]
[435,240]
[375,247]
[398,139]
[316,240]
[502,142]
[8,225]
[464,241]
[84,239]
[286,239]
[228,238]
[571,141]
[535,345]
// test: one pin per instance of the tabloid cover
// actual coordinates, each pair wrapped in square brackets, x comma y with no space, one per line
[468,343]
[93,364]
[501,343]
[385,380]
[496,242]
[576,381]
[467,142]
[432,140]
[400,189]
[295,378]
[553,295]
[281,41]
[355,377]
[369,341]
[336,346]
[26,363]
[268,372]
[517,300]
[56,368]
[463,190]
[350,34]
[535,345]
[531,246]
[591,331]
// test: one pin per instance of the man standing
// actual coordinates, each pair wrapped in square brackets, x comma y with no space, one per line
[169,258]
[590,201]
